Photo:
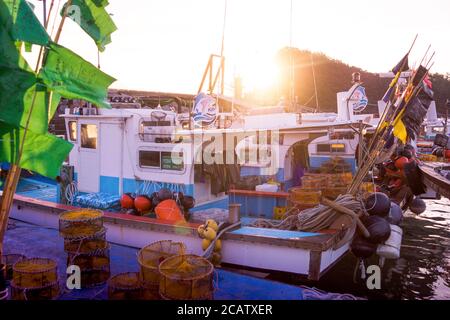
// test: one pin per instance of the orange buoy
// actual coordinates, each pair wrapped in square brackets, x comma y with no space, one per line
[127,201]
[169,210]
[400,162]
[142,204]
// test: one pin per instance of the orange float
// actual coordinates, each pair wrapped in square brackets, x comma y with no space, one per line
[169,210]
[143,204]
[127,201]
[400,162]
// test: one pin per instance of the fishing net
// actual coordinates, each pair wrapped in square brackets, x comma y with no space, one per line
[93,258]
[151,256]
[186,277]
[48,292]
[34,273]
[85,239]
[80,222]
[127,286]
[10,260]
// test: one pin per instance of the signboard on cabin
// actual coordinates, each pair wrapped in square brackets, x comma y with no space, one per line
[359,100]
[205,110]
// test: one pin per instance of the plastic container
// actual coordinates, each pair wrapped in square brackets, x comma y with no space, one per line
[279,212]
[267,187]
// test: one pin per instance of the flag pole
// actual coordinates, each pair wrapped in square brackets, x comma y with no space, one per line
[13,176]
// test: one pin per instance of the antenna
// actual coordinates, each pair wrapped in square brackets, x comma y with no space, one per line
[315,85]
[291,58]
[223,29]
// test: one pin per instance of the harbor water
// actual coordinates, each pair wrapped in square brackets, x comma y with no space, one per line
[422,272]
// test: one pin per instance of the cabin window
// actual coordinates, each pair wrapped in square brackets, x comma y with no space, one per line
[337,147]
[72,130]
[164,160]
[172,161]
[334,147]
[149,159]
[89,136]
[323,148]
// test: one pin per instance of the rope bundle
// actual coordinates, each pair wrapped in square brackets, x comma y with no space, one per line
[316,219]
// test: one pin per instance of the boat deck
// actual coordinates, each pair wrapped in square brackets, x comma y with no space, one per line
[35,241]
[309,254]
[434,180]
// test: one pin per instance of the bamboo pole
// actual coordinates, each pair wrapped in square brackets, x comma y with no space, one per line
[13,176]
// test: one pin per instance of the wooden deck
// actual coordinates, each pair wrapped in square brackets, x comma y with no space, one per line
[434,180]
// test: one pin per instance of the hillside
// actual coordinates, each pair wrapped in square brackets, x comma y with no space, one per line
[333,76]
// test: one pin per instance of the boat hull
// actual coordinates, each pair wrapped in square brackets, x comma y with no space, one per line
[310,256]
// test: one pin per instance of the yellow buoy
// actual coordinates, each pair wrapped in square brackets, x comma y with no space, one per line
[205,244]
[210,234]
[210,223]
[201,231]
[218,245]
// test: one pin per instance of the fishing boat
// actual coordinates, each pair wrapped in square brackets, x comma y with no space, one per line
[130,149]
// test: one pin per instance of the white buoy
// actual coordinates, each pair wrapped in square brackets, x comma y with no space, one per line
[390,249]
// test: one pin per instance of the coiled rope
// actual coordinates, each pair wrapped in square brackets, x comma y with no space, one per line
[317,294]
[317,218]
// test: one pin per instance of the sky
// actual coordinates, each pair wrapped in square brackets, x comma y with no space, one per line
[164,45]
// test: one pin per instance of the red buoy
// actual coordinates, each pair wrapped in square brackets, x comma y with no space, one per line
[142,204]
[127,201]
[447,154]
[400,162]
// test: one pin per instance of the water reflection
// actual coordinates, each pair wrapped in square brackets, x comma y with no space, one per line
[422,272]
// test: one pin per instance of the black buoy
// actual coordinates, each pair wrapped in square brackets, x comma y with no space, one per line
[155,199]
[164,194]
[378,204]
[362,248]
[188,202]
[395,214]
[379,229]
[417,205]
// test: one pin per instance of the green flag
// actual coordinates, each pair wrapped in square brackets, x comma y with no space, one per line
[93,19]
[19,87]
[72,77]
[42,153]
[19,19]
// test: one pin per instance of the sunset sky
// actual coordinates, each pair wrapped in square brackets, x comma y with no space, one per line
[164,45]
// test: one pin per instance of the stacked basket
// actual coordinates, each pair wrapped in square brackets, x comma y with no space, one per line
[150,257]
[333,179]
[86,246]
[35,279]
